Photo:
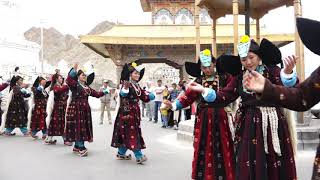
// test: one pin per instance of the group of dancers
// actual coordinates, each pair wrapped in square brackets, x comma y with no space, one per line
[47,110]
[257,143]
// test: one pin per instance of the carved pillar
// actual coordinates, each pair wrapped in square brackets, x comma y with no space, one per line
[235,10]
[197,24]
[214,36]
[299,51]
[258,30]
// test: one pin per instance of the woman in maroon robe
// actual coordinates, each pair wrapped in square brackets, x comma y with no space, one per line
[56,109]
[38,108]
[16,114]
[262,139]
[213,143]
[302,97]
[79,121]
[127,130]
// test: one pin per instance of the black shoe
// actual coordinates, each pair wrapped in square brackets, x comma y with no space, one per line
[124,157]
[142,159]
[156,121]
[83,152]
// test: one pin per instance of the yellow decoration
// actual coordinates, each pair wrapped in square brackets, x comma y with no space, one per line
[134,64]
[244,39]
[207,52]
[85,69]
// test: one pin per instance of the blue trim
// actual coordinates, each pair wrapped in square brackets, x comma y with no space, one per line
[123,94]
[39,88]
[122,150]
[211,96]
[138,154]
[23,90]
[9,130]
[73,73]
[24,130]
[289,82]
[79,144]
[34,132]
[152,96]
[178,104]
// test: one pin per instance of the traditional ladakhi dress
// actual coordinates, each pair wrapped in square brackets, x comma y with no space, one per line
[301,98]
[39,114]
[16,114]
[127,130]
[213,147]
[56,123]
[79,120]
[306,94]
[263,142]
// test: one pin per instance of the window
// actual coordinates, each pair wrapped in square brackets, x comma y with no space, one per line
[184,16]
[204,17]
[163,17]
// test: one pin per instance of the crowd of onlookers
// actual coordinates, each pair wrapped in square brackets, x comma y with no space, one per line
[151,110]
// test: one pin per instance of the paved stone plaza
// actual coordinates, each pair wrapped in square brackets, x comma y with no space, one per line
[169,159]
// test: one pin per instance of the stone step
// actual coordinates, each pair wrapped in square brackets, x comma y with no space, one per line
[186,126]
[185,136]
[308,136]
[308,144]
[185,132]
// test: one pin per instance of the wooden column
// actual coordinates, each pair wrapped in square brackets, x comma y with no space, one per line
[299,52]
[235,11]
[197,24]
[214,36]
[298,44]
[258,30]
[247,17]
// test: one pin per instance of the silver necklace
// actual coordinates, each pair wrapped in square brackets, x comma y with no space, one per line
[136,88]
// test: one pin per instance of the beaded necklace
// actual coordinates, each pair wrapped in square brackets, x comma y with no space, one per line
[136,87]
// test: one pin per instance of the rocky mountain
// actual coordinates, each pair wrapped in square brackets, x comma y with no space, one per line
[58,46]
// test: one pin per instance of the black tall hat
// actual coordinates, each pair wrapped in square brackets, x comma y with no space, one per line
[270,53]
[229,64]
[129,68]
[194,69]
[88,71]
[267,51]
[14,80]
[309,33]
[224,64]
[37,82]
[15,77]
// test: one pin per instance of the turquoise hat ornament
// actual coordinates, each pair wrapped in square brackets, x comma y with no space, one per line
[206,58]
[244,46]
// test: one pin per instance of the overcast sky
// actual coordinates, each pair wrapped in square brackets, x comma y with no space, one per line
[80,16]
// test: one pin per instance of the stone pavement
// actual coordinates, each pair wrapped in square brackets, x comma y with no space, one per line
[169,159]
